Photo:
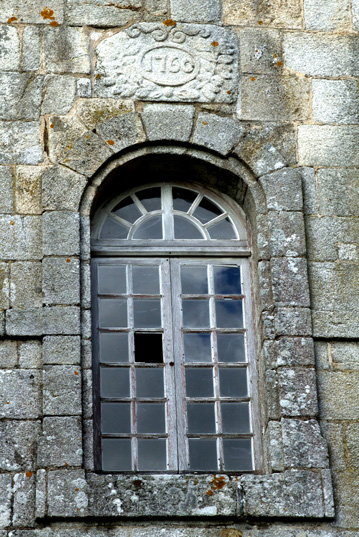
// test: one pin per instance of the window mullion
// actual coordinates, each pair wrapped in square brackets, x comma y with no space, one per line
[168,225]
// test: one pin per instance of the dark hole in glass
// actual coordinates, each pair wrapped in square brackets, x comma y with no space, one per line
[183,199]
[148,348]
[150,198]
[128,210]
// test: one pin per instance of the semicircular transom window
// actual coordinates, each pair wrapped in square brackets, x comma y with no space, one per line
[167,213]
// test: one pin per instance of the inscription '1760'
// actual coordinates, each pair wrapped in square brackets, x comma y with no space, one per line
[169,65]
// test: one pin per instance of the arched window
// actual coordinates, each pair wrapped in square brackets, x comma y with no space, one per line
[172,330]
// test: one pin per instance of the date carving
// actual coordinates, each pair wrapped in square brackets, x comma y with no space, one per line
[169,66]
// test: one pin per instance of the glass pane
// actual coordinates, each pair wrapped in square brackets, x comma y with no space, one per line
[151,228]
[202,454]
[116,454]
[235,418]
[113,348]
[112,313]
[233,382]
[183,199]
[194,280]
[195,313]
[152,454]
[237,454]
[199,382]
[148,348]
[200,418]
[150,198]
[149,382]
[113,230]
[147,313]
[151,418]
[231,348]
[197,347]
[111,280]
[116,418]
[145,280]
[185,229]
[227,281]
[115,382]
[127,210]
[229,313]
[206,211]
[222,230]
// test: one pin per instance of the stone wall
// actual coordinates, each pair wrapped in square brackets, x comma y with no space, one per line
[268,91]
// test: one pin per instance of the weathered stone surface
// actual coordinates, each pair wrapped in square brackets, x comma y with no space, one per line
[24,499]
[60,93]
[345,355]
[96,111]
[297,392]
[321,54]
[309,191]
[20,394]
[217,133]
[274,13]
[10,48]
[283,190]
[260,51]
[324,234]
[331,324]
[24,322]
[67,493]
[333,286]
[304,445]
[293,322]
[199,64]
[333,15]
[15,453]
[87,393]
[8,354]
[30,59]
[154,531]
[61,233]
[347,252]
[28,189]
[263,159]
[41,493]
[30,354]
[25,288]
[63,132]
[272,395]
[61,320]
[5,500]
[276,446]
[334,434]
[20,142]
[265,284]
[335,101]
[61,442]
[287,236]
[294,351]
[66,50]
[101,13]
[122,132]
[86,354]
[4,285]
[62,350]
[87,154]
[88,460]
[338,192]
[6,195]
[33,11]
[20,96]
[355,10]
[62,189]
[347,498]
[61,280]
[293,493]
[338,393]
[62,390]
[200,11]
[169,122]
[83,87]
[273,98]
[290,282]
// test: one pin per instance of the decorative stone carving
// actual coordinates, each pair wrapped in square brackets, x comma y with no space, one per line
[154,62]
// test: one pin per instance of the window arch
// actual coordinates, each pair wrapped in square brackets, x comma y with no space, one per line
[172,329]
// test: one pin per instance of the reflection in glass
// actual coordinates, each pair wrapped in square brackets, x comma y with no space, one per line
[150,198]
[113,230]
[195,313]
[113,347]
[199,382]
[233,382]
[231,348]
[151,228]
[149,382]
[229,313]
[227,280]
[127,210]
[237,454]
[200,417]
[235,418]
[111,279]
[115,382]
[145,280]
[222,230]
[185,229]
[197,347]
[152,454]
[147,312]
[183,199]
[194,280]
[202,454]
[151,418]
[116,454]
[116,418]
[206,211]
[112,313]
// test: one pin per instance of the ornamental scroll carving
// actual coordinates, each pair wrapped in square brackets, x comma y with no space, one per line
[152,62]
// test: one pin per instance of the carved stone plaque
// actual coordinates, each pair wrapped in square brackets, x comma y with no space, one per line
[182,63]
